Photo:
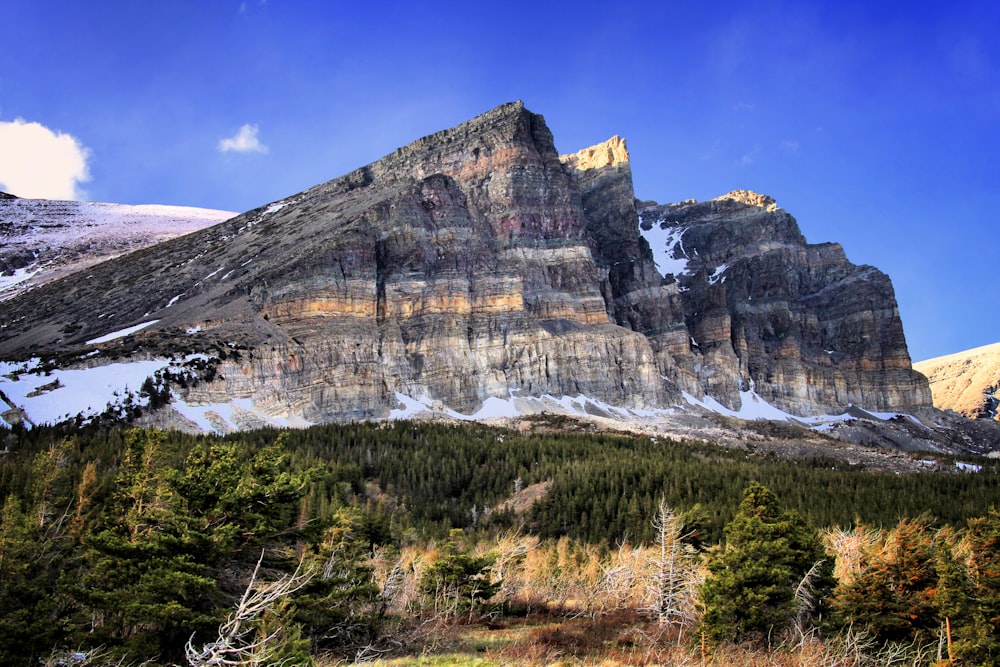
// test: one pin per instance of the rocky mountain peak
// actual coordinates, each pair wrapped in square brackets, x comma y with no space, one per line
[475,268]
[750,198]
[610,153]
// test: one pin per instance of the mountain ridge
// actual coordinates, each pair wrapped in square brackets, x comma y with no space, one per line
[42,240]
[475,266]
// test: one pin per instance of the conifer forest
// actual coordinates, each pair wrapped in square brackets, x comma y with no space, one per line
[365,542]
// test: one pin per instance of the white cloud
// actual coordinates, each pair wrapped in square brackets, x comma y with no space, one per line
[244,141]
[37,163]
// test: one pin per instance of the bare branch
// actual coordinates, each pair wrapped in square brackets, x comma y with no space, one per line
[240,642]
[805,600]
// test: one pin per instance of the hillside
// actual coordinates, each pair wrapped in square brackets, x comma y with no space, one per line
[42,240]
[136,546]
[965,382]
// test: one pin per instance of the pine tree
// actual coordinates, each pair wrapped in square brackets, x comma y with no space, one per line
[28,602]
[144,581]
[749,595]
[457,580]
[978,638]
[893,597]
[337,609]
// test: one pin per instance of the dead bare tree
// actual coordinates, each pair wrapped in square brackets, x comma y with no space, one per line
[853,548]
[805,602]
[671,589]
[511,550]
[242,642]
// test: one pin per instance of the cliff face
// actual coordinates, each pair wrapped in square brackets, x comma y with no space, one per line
[475,263]
[796,322]
[743,302]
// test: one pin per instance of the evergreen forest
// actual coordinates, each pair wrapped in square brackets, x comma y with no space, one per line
[348,542]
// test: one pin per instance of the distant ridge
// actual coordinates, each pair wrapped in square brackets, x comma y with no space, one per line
[966,382]
[43,239]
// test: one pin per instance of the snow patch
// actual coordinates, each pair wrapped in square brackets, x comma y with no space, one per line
[276,206]
[754,407]
[494,408]
[212,417]
[517,406]
[65,234]
[51,397]
[62,394]
[719,275]
[411,407]
[121,333]
[19,276]
[668,248]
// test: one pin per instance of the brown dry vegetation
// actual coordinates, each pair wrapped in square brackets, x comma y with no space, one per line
[564,603]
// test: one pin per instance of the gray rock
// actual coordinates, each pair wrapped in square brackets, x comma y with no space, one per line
[475,263]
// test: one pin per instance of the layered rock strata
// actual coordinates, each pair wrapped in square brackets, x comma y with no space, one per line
[796,322]
[475,263]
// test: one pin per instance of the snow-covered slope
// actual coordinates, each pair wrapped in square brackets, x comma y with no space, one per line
[41,239]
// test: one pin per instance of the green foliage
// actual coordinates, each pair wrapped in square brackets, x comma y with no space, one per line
[457,580]
[974,611]
[749,595]
[894,596]
[240,497]
[339,609]
[136,539]
[918,583]
[25,598]
[143,580]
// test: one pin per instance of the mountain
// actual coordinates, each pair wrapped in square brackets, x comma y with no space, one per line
[966,382]
[42,240]
[477,273]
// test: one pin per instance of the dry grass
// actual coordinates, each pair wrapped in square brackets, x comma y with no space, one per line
[623,638]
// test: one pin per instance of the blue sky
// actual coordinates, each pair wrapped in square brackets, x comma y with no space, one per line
[876,124]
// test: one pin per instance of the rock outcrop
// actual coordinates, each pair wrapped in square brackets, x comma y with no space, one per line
[475,264]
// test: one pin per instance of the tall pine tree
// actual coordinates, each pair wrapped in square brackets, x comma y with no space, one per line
[750,593]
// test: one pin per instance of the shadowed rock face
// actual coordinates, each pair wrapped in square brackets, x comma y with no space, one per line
[796,322]
[755,307]
[476,263]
